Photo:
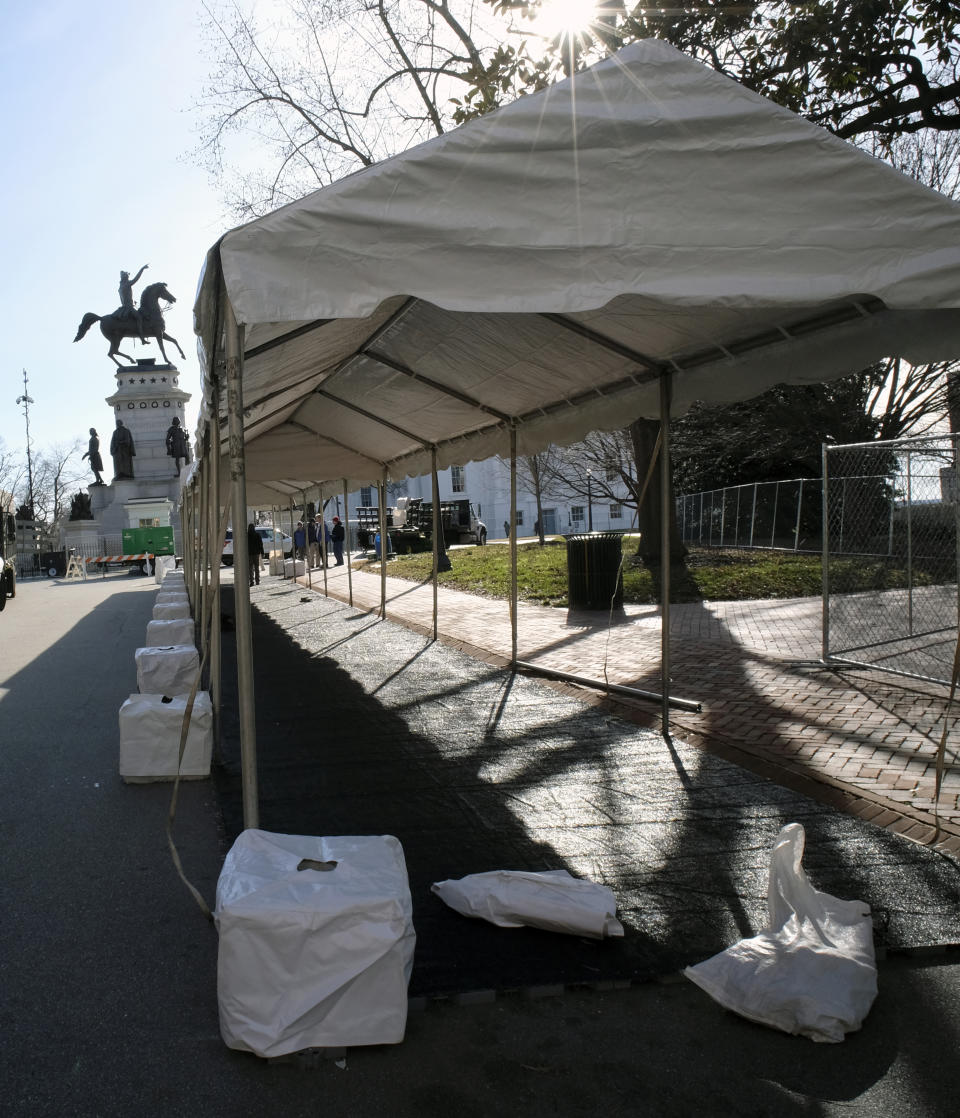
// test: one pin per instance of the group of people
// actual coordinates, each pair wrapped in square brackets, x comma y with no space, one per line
[307,540]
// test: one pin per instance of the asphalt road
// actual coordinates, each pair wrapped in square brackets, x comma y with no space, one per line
[108,969]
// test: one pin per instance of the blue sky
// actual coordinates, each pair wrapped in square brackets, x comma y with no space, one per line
[98,124]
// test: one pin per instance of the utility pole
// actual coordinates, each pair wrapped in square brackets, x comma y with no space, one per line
[27,401]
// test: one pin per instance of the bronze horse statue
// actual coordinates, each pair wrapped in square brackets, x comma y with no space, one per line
[119,325]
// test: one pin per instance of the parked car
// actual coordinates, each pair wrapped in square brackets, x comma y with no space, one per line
[273,540]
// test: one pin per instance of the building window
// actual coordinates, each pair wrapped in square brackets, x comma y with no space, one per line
[576,514]
[611,469]
[366,496]
[519,518]
[616,512]
[457,480]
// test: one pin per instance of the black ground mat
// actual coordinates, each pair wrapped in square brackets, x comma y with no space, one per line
[366,728]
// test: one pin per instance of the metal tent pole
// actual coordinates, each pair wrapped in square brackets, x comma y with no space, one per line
[435,497]
[216,551]
[382,487]
[323,538]
[294,538]
[513,544]
[241,567]
[665,392]
[346,541]
[306,537]
[205,550]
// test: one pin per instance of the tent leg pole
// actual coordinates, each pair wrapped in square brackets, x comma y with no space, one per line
[306,536]
[323,538]
[292,530]
[665,518]
[216,551]
[513,545]
[206,552]
[435,498]
[241,577]
[384,544]
[204,555]
[346,542]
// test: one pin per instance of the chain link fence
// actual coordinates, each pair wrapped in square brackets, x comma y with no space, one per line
[891,525]
[765,514]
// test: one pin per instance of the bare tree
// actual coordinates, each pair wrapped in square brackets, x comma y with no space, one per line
[55,471]
[329,86]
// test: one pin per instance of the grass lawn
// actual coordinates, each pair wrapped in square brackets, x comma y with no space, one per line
[710,574]
[542,574]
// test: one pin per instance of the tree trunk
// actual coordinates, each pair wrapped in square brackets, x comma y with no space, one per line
[643,435]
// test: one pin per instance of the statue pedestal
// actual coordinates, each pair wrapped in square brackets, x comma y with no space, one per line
[81,534]
[147,398]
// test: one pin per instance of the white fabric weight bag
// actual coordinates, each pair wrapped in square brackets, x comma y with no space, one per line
[171,612]
[170,632]
[812,971]
[552,900]
[150,728]
[168,670]
[313,957]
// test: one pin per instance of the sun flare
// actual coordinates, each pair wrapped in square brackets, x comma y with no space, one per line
[564,17]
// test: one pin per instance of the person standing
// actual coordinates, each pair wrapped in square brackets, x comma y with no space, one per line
[313,550]
[337,534]
[255,552]
[299,540]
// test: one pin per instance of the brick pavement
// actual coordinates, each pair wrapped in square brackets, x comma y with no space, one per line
[862,741]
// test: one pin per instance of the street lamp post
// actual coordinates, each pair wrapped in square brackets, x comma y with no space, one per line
[589,501]
[27,401]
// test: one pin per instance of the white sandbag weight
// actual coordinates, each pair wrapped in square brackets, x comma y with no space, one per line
[165,633]
[150,728]
[313,957]
[167,670]
[171,612]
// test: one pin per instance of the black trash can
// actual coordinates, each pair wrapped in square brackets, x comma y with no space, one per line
[594,572]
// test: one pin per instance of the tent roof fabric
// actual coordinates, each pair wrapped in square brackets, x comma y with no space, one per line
[545,265]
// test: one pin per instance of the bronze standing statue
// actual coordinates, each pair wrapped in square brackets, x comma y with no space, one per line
[177,445]
[129,322]
[93,453]
[122,449]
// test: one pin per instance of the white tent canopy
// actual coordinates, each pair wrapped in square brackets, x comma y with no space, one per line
[544,266]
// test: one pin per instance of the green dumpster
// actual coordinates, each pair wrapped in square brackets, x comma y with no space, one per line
[594,571]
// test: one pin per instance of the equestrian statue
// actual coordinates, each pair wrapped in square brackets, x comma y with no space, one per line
[128,321]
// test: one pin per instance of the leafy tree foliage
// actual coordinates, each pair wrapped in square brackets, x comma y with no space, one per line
[858,67]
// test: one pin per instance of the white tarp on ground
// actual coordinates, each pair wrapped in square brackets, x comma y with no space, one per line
[812,971]
[551,899]
[544,265]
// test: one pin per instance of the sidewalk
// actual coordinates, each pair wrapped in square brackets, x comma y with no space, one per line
[861,741]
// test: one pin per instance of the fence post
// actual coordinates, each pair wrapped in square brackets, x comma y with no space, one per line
[753,513]
[796,531]
[909,542]
[736,535]
[773,525]
[701,517]
[723,514]
[825,562]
